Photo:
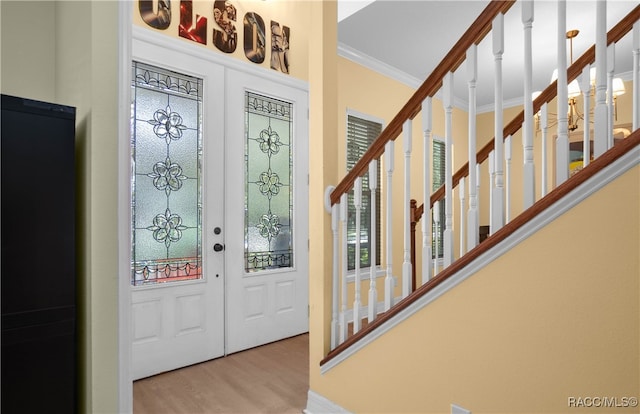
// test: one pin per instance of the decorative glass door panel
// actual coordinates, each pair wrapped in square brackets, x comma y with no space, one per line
[177,182]
[269,183]
[266,205]
[166,150]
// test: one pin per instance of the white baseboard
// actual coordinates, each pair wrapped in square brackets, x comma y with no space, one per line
[459,410]
[317,404]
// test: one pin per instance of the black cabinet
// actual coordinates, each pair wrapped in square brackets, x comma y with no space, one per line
[38,279]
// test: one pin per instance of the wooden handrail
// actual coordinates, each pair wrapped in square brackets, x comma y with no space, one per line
[618,150]
[623,27]
[476,32]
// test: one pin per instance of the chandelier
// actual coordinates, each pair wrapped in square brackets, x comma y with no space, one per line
[573,89]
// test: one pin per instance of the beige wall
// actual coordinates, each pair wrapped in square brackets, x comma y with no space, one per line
[294,14]
[28,26]
[66,52]
[323,98]
[556,317]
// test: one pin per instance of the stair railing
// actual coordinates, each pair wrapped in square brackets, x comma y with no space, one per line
[535,110]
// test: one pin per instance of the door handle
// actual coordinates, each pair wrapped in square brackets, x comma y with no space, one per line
[218,247]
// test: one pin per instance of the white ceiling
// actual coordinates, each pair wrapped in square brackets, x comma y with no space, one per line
[412,37]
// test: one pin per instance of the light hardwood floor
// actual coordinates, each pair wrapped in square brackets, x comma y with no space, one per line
[272,378]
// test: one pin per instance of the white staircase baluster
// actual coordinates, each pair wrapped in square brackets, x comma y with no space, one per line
[636,75]
[562,142]
[427,124]
[478,199]
[472,215]
[344,324]
[436,220]
[585,87]
[497,208]
[529,192]
[335,215]
[406,263]
[389,282]
[447,246]
[492,178]
[357,202]
[611,52]
[461,191]
[507,184]
[600,111]
[373,292]
[544,126]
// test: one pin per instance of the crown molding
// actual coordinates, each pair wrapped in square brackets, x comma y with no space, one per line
[390,72]
[398,75]
[376,65]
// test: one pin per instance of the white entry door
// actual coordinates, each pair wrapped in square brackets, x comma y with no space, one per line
[219,197]
[177,153]
[267,204]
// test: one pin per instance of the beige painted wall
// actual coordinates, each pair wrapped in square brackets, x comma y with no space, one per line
[28,26]
[294,14]
[556,317]
[66,52]
[323,164]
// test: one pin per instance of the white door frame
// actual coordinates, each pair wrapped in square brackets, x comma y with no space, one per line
[127,32]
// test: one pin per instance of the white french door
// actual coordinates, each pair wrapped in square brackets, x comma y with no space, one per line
[177,204]
[219,208]
[267,236]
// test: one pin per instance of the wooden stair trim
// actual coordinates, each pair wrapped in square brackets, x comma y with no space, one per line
[620,149]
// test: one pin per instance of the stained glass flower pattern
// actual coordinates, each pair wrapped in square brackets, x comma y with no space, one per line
[269,226]
[269,183]
[268,200]
[269,141]
[167,176]
[167,124]
[167,228]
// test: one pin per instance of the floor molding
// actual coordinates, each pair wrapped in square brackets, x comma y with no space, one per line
[317,404]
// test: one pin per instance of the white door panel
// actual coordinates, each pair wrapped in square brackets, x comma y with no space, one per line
[177,323]
[269,304]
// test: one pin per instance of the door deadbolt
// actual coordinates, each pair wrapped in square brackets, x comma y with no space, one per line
[217,230]
[218,247]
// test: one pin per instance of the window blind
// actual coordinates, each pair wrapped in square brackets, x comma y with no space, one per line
[438,180]
[360,135]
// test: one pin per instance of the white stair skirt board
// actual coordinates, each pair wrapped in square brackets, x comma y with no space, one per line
[317,404]
[580,193]
[459,410]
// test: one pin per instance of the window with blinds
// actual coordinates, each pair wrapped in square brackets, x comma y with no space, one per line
[360,134]
[438,162]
